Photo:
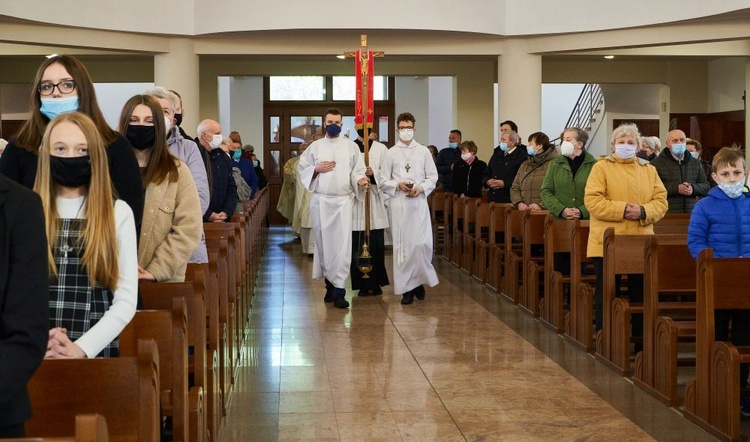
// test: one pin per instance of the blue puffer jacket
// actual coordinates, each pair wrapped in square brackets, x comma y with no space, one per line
[721,223]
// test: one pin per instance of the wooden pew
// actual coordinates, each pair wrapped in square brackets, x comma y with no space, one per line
[235,262]
[496,245]
[623,255]
[579,324]
[220,306]
[532,260]
[466,260]
[168,328]
[89,428]
[712,400]
[459,227]
[447,225]
[206,280]
[670,272]
[125,391]
[512,255]
[158,296]
[437,213]
[480,239]
[557,240]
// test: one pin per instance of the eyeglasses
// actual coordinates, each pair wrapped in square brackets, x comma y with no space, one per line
[405,127]
[65,87]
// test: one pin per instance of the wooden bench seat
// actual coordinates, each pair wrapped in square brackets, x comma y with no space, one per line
[532,261]
[124,390]
[712,400]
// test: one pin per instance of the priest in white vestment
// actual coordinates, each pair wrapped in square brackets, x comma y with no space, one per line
[408,176]
[378,276]
[333,170]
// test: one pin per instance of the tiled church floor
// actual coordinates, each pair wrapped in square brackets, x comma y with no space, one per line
[460,365]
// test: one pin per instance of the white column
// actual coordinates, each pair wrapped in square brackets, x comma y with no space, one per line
[519,88]
[178,70]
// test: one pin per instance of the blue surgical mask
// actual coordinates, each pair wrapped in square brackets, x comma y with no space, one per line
[694,154]
[52,107]
[256,163]
[531,151]
[732,190]
[504,147]
[678,149]
[453,145]
[237,154]
[333,130]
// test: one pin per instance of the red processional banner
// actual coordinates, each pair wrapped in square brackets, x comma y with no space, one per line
[359,118]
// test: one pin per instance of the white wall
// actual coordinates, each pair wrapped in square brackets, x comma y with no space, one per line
[112,96]
[412,95]
[246,112]
[558,101]
[726,84]
[442,111]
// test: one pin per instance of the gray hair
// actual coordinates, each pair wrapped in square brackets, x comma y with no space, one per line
[164,93]
[581,135]
[626,130]
[657,143]
[649,141]
[514,136]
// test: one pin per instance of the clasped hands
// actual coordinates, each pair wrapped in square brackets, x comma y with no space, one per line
[571,213]
[411,189]
[59,346]
[685,189]
[632,212]
[532,207]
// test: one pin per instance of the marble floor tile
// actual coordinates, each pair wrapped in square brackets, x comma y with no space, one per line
[460,365]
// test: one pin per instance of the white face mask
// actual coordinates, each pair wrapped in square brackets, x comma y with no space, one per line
[215,141]
[168,123]
[466,156]
[406,135]
[567,148]
[625,151]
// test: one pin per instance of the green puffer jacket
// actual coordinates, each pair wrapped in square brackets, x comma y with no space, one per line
[561,189]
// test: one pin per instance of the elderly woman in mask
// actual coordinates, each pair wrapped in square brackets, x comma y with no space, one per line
[565,182]
[626,193]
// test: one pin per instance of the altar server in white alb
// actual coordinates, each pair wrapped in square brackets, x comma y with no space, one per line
[332,168]
[408,176]
[378,276]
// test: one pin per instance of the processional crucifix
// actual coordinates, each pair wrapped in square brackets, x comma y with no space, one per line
[363,118]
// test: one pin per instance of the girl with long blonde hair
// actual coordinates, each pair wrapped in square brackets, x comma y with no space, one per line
[92,242]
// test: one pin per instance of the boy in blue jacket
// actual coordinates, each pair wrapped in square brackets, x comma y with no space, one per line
[721,221]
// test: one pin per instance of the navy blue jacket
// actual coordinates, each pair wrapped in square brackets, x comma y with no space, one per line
[248,172]
[224,190]
[721,223]
[445,159]
[503,166]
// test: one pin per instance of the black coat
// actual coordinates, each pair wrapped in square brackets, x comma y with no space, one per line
[224,189]
[19,165]
[673,173]
[445,159]
[467,178]
[503,166]
[24,297]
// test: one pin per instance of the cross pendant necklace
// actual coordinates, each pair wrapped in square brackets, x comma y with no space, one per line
[65,249]
[407,167]
[407,159]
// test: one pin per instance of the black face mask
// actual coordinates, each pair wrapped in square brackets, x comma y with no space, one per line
[178,119]
[71,172]
[141,137]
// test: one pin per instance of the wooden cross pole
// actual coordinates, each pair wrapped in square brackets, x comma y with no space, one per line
[363,74]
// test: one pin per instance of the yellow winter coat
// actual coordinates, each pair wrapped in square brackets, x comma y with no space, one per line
[612,184]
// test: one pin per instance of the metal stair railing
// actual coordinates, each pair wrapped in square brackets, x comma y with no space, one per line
[586,107]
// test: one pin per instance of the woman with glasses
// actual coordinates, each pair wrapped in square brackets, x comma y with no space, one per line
[63,85]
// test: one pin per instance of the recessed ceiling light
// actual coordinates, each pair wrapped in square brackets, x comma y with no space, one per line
[51,55]
[609,57]
[341,57]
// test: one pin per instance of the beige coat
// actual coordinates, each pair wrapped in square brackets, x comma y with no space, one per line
[172,227]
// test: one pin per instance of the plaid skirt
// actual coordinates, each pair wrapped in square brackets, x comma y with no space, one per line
[73,303]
